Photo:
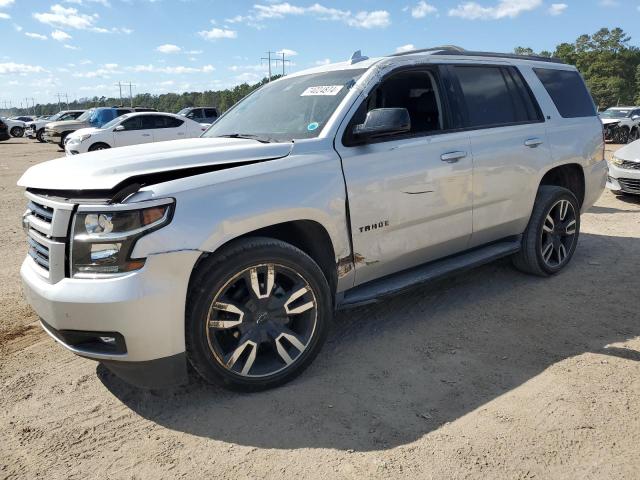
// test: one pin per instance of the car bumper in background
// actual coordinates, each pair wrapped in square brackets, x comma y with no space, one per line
[132,323]
[623,180]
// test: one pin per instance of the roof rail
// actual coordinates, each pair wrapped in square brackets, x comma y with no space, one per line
[454,50]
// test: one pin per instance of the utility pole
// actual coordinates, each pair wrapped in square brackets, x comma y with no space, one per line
[130,85]
[269,60]
[283,62]
[120,87]
[131,94]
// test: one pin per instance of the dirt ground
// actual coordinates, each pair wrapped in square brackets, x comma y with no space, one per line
[492,374]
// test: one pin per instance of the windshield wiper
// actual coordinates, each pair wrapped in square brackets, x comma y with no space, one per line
[249,136]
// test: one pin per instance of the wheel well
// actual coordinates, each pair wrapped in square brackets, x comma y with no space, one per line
[569,176]
[310,237]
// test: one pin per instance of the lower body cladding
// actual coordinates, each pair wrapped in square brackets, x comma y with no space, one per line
[623,180]
[133,324]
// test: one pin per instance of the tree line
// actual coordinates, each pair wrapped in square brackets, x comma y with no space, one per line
[606,59]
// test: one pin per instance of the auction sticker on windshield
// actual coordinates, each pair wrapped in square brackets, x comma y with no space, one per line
[330,90]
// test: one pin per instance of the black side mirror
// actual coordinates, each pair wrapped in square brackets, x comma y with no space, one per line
[381,122]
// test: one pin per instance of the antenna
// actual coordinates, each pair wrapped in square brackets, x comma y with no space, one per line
[357,57]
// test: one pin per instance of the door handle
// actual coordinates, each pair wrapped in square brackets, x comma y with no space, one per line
[533,142]
[452,157]
[146,134]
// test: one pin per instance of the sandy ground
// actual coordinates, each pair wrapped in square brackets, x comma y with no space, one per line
[492,374]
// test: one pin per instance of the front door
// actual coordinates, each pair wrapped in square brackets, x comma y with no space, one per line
[410,196]
[135,132]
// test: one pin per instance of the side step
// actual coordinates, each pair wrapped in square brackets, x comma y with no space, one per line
[372,291]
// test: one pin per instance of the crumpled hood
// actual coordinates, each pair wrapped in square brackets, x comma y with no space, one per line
[630,153]
[609,121]
[104,169]
[66,125]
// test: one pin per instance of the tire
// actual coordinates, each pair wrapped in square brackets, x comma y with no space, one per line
[548,229]
[63,137]
[250,336]
[17,132]
[98,146]
[633,136]
[40,135]
[624,136]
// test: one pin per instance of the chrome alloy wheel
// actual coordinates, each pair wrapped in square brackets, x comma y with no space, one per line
[558,233]
[262,320]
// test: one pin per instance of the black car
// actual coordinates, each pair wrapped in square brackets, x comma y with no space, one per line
[4,132]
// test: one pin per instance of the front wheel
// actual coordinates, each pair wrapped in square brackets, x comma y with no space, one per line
[17,132]
[551,237]
[40,135]
[257,315]
[98,146]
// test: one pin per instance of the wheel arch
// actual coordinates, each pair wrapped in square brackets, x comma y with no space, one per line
[569,176]
[310,236]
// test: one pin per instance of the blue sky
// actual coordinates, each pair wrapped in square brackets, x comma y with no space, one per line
[83,47]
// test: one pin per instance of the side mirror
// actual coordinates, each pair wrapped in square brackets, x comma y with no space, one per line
[381,122]
[119,128]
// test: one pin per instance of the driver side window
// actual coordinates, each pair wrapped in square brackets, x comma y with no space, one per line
[415,91]
[132,124]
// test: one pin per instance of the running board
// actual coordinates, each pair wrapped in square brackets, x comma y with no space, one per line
[374,290]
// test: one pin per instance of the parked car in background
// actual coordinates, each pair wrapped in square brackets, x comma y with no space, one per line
[16,127]
[35,129]
[621,124]
[57,132]
[328,188]
[133,129]
[23,118]
[4,131]
[200,114]
[624,170]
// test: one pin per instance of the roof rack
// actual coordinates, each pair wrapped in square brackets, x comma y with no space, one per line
[453,50]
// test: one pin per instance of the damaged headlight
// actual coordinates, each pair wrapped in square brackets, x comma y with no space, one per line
[617,161]
[103,237]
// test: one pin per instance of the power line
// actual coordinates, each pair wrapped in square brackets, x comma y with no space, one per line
[271,57]
[130,85]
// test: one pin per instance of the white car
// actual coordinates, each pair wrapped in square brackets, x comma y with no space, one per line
[621,124]
[624,170]
[16,127]
[133,129]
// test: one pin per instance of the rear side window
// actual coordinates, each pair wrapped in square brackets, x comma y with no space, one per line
[568,92]
[496,96]
[210,113]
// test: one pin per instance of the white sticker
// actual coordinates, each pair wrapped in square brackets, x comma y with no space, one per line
[322,90]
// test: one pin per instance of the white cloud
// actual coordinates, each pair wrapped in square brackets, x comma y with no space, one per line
[63,17]
[422,9]
[216,33]
[174,70]
[287,52]
[60,36]
[35,35]
[362,19]
[6,3]
[168,48]
[324,61]
[70,47]
[104,3]
[557,9]
[19,68]
[405,48]
[610,3]
[105,71]
[4,16]
[503,9]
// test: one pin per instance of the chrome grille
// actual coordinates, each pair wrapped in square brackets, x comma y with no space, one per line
[628,165]
[46,223]
[630,185]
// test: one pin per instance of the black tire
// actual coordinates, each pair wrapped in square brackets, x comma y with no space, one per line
[40,135]
[532,258]
[98,146]
[63,137]
[228,271]
[633,136]
[17,132]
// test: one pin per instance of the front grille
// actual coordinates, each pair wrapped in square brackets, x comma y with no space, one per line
[628,165]
[630,185]
[46,223]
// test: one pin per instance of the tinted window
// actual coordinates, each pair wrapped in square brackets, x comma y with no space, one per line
[195,113]
[568,92]
[172,122]
[495,96]
[210,113]
[132,124]
[122,112]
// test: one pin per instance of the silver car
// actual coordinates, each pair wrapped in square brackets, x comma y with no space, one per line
[329,188]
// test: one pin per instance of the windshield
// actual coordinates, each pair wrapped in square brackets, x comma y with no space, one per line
[615,113]
[101,116]
[114,122]
[184,111]
[288,109]
[86,115]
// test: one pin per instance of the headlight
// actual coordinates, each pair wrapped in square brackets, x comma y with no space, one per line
[84,137]
[103,238]
[617,161]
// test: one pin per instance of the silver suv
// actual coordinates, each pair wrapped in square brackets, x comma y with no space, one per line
[329,188]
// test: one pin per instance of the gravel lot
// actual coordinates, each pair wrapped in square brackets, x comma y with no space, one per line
[492,374]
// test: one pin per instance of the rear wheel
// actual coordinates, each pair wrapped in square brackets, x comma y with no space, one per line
[98,146]
[551,237]
[257,315]
[17,132]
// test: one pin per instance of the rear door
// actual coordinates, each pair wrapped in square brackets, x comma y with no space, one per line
[167,128]
[509,145]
